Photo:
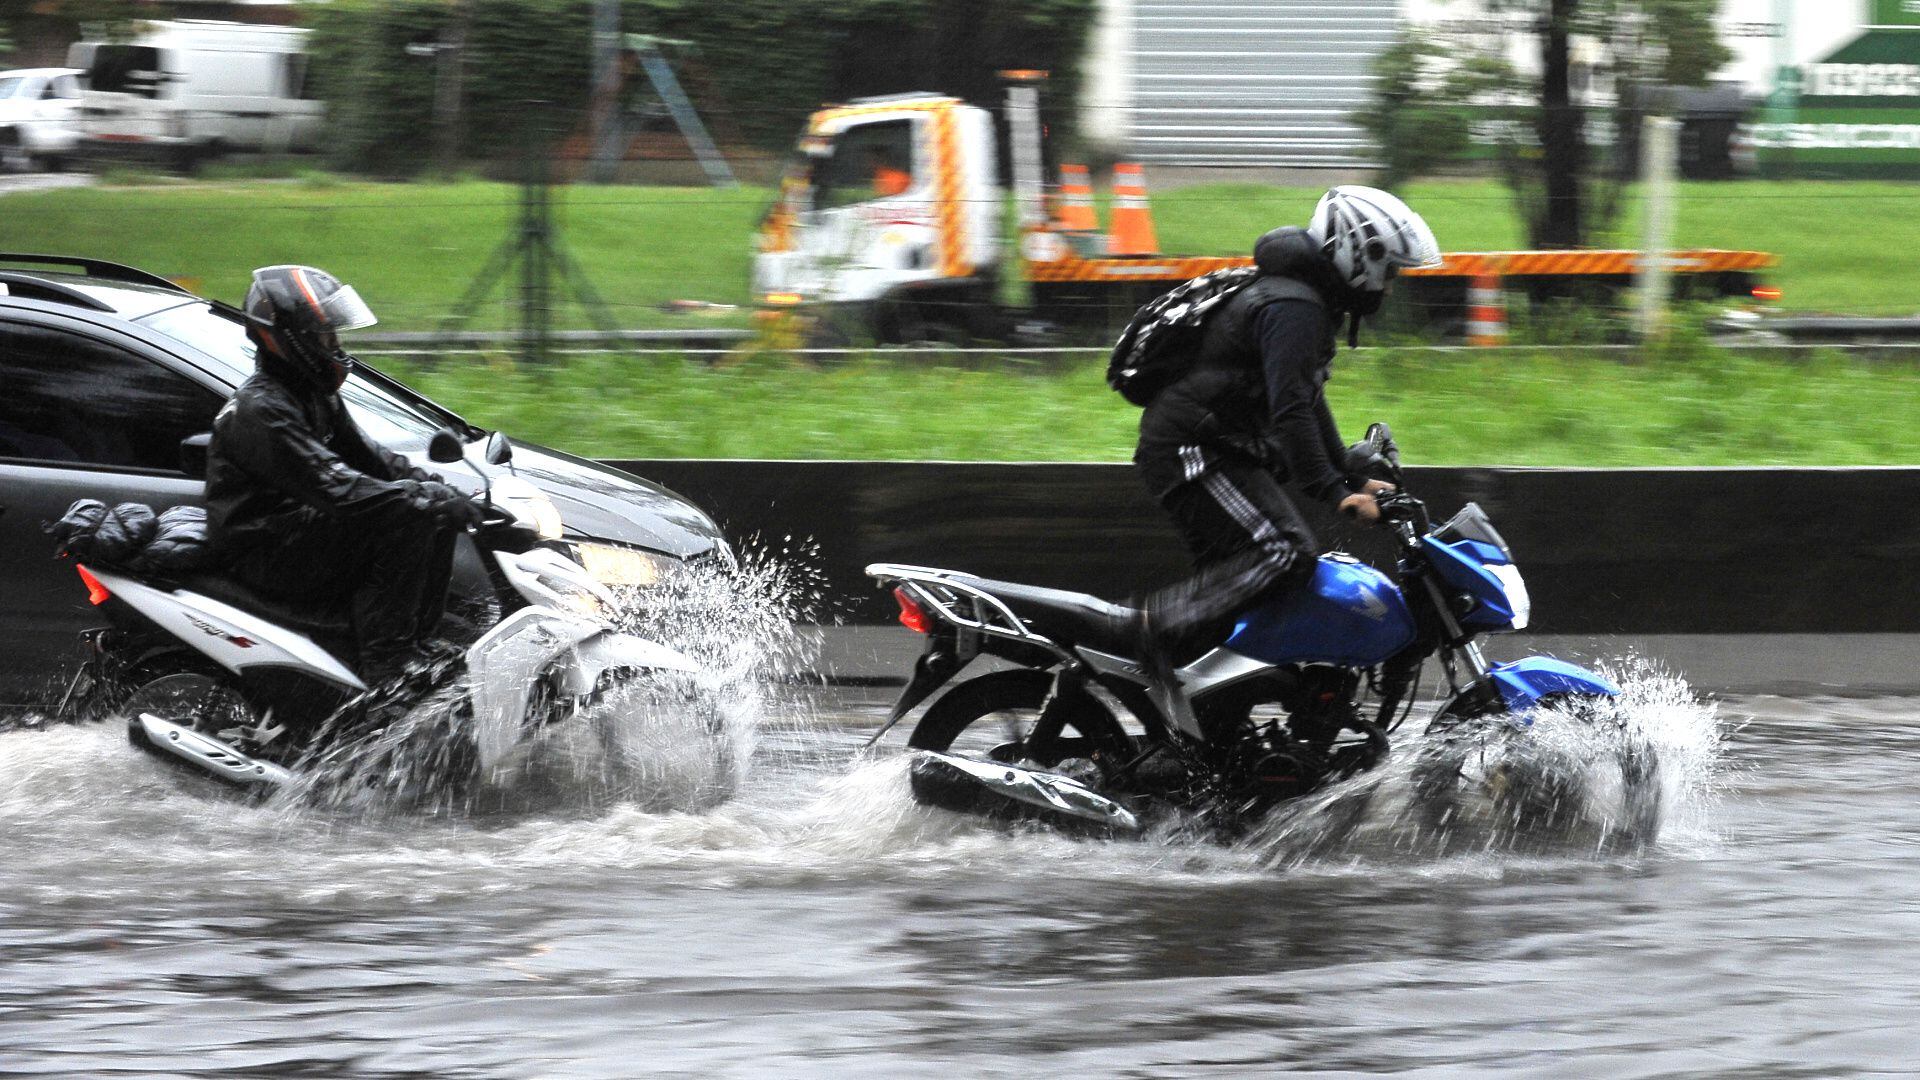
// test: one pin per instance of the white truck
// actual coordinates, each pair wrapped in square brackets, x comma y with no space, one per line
[187,90]
[890,227]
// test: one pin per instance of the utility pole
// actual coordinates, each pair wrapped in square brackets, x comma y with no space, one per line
[605,144]
[1659,158]
[1562,143]
[449,89]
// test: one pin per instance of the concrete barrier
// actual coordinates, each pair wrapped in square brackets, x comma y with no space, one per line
[1605,551]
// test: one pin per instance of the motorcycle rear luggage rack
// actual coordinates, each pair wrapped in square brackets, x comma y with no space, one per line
[990,614]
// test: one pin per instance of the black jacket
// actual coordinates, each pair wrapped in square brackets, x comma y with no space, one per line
[1257,387]
[285,449]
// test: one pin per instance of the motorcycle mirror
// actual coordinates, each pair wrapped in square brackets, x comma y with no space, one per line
[445,447]
[1380,439]
[193,454]
[499,449]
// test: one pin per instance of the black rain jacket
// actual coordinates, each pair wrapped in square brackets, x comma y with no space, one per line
[1257,389]
[285,449]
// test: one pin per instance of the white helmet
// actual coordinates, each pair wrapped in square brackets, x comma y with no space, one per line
[1368,234]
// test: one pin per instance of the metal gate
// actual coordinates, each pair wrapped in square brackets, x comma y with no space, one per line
[1254,82]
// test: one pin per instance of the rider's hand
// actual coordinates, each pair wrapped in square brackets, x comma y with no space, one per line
[1361,507]
[461,513]
[449,506]
[1375,487]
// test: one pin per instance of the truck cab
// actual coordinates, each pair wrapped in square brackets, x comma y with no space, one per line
[889,211]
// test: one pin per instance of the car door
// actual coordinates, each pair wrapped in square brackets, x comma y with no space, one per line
[87,413]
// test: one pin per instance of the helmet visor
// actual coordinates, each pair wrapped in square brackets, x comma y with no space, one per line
[344,310]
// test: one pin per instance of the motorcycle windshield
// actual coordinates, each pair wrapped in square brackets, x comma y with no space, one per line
[1472,524]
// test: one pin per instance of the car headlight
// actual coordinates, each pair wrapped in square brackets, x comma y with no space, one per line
[1518,601]
[614,566]
[528,504]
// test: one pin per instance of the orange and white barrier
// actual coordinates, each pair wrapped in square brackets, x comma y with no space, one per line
[1132,220]
[1486,311]
[1076,200]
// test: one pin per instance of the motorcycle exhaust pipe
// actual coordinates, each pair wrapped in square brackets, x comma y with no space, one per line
[205,751]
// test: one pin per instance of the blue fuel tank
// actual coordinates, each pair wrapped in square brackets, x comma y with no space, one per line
[1352,615]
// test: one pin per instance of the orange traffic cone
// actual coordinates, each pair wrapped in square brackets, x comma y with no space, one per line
[1132,221]
[1486,311]
[1076,200]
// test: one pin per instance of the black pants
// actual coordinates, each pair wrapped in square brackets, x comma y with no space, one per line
[1248,542]
[389,569]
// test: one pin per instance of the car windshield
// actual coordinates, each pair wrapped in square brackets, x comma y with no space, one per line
[10,87]
[389,418]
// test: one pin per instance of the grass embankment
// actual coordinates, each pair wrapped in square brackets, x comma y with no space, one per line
[412,249]
[1452,408]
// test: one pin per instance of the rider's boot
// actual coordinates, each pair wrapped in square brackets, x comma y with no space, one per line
[1155,651]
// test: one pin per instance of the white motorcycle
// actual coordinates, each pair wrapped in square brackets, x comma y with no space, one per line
[252,691]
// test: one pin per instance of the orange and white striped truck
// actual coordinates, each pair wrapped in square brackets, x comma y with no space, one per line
[892,226]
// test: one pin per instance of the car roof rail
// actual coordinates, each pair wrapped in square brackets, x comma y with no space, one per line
[28,287]
[99,268]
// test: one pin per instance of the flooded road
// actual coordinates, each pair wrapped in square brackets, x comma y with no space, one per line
[820,925]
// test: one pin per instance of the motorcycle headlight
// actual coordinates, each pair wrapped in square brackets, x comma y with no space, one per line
[529,504]
[615,566]
[1517,599]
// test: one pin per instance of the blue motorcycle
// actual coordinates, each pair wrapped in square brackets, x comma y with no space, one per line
[1305,692]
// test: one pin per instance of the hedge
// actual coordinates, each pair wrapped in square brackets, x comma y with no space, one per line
[754,69]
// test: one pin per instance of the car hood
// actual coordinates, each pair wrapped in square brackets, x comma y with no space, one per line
[601,503]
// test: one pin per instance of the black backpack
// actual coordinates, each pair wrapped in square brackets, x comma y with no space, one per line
[1160,343]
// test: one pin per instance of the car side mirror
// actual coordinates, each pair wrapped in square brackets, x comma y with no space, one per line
[499,449]
[445,447]
[193,454]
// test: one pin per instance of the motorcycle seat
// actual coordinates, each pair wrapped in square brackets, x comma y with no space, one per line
[1069,618]
[322,621]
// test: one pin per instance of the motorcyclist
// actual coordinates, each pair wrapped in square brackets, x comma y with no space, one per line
[301,505]
[1251,413]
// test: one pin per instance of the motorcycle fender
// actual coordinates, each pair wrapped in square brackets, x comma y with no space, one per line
[506,665]
[236,640]
[577,674]
[1523,683]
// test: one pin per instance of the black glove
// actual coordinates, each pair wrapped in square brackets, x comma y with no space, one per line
[1363,462]
[449,505]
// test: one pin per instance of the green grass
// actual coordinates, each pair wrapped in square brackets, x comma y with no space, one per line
[1696,407]
[412,249]
[1844,246]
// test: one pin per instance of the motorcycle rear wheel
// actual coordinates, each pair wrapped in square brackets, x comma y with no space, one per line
[1005,704]
[1015,698]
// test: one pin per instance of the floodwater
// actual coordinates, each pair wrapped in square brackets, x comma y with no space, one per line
[817,924]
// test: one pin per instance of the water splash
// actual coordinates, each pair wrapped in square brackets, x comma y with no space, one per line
[1583,778]
[656,742]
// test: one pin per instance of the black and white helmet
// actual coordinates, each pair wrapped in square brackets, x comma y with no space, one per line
[1369,234]
[300,310]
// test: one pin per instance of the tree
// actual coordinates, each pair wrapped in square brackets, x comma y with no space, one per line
[1438,92]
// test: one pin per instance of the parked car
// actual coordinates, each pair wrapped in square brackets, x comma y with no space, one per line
[107,369]
[39,108]
[191,89]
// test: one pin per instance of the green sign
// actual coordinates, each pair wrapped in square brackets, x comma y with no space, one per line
[1896,13]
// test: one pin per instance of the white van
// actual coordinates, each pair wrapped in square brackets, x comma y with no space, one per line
[190,89]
